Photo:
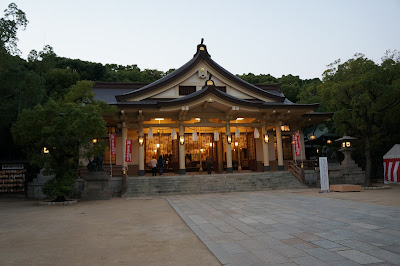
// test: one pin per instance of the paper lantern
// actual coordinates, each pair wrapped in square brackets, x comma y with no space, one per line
[237,133]
[216,136]
[151,133]
[256,133]
[173,134]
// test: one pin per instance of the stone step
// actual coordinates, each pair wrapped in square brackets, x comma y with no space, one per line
[199,184]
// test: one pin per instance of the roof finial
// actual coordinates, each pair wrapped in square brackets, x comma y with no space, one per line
[209,78]
[202,40]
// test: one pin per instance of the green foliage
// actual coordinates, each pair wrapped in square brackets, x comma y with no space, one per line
[66,128]
[13,20]
[60,188]
[258,79]
[364,96]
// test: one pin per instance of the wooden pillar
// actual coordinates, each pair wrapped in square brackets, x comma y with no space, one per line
[124,165]
[182,159]
[279,147]
[220,154]
[229,167]
[265,148]
[141,151]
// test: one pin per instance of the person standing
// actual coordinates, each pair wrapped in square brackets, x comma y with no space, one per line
[153,163]
[160,164]
[208,163]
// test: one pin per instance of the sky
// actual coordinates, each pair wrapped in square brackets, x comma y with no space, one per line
[260,37]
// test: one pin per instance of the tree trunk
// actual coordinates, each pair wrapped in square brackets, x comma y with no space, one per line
[367,162]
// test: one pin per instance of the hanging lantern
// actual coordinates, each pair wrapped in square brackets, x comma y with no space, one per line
[237,133]
[256,133]
[194,136]
[173,134]
[216,136]
[151,133]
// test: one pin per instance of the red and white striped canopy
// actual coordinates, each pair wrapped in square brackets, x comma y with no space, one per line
[391,165]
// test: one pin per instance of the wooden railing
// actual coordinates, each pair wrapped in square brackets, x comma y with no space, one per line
[297,171]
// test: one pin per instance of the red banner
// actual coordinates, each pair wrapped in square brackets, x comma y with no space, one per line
[297,143]
[113,145]
[128,152]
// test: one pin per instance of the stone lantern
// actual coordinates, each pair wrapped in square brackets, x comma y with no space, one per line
[347,148]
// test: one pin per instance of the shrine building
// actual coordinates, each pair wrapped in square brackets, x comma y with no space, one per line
[201,110]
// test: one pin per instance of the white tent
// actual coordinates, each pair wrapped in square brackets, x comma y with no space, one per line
[391,165]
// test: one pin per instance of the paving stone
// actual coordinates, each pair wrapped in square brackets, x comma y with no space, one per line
[355,244]
[326,244]
[247,259]
[309,261]
[288,251]
[393,248]
[237,235]
[367,226]
[233,248]
[385,255]
[307,236]
[279,235]
[221,255]
[331,236]
[359,256]
[345,263]
[299,243]
[324,254]
[271,257]
[226,228]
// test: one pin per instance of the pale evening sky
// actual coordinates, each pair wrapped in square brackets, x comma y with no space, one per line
[268,37]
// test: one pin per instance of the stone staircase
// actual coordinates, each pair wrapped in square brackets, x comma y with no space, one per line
[217,183]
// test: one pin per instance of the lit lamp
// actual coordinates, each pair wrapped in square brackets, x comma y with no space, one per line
[158,145]
[285,128]
[329,141]
[182,140]
[312,137]
[229,139]
[266,139]
[94,141]
[236,143]
[347,148]
[45,150]
[141,140]
[210,144]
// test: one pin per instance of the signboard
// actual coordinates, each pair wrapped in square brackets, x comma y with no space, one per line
[113,145]
[12,166]
[297,143]
[323,171]
[128,151]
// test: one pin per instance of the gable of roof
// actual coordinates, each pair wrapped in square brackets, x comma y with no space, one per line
[200,55]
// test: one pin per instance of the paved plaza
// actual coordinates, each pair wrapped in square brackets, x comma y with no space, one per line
[258,228]
[293,227]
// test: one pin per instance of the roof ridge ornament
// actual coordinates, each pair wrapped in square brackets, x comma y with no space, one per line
[202,40]
[209,82]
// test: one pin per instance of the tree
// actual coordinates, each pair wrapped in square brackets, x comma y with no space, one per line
[362,93]
[13,20]
[65,128]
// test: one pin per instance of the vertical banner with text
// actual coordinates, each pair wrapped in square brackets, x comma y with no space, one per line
[128,153]
[113,145]
[323,173]
[297,143]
